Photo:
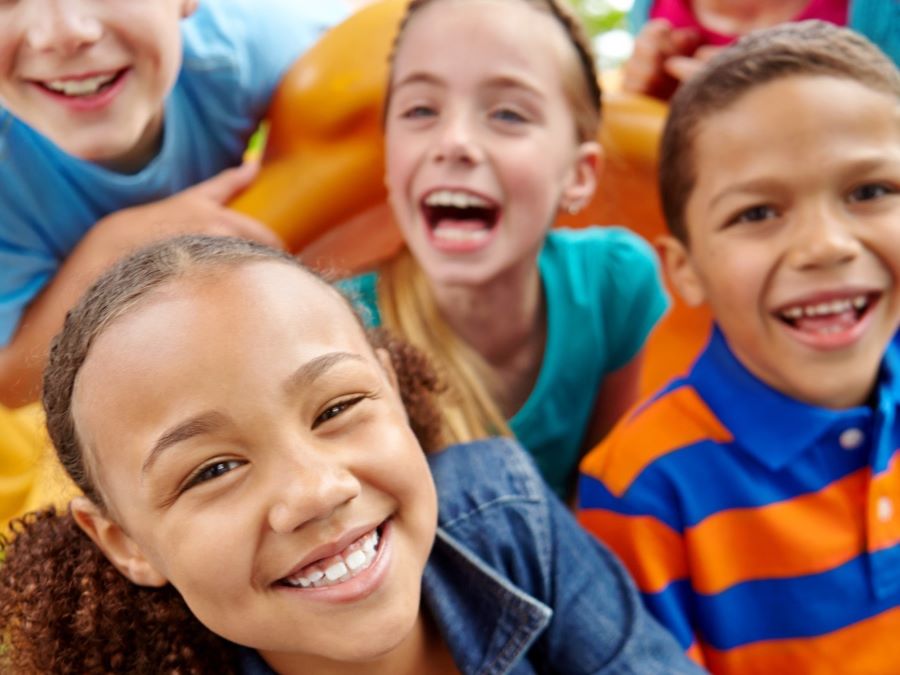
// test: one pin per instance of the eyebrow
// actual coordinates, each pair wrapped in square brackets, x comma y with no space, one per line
[210,421]
[497,82]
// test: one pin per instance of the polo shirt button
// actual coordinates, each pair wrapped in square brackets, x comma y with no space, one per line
[885,509]
[851,438]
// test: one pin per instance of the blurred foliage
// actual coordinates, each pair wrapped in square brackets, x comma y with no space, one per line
[600,16]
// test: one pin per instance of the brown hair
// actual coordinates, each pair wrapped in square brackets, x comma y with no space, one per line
[582,86]
[806,48]
[405,300]
[63,607]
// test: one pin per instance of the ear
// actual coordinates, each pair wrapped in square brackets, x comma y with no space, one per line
[681,271]
[583,182]
[119,548]
[188,7]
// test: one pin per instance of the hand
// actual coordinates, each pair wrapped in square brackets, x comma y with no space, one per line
[200,209]
[683,68]
[658,42]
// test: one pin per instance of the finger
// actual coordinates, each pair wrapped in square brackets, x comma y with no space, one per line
[683,68]
[707,52]
[684,41]
[224,186]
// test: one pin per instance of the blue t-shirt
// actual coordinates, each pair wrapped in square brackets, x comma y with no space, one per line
[235,53]
[603,296]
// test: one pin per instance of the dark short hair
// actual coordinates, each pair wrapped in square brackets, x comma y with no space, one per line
[814,48]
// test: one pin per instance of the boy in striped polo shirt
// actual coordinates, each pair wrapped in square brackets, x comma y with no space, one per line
[757,499]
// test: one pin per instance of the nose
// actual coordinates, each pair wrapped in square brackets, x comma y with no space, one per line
[309,490]
[825,239]
[457,143]
[62,26]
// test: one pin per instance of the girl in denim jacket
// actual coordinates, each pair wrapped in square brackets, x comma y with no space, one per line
[257,500]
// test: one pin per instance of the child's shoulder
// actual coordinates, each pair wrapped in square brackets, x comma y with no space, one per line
[676,418]
[473,477]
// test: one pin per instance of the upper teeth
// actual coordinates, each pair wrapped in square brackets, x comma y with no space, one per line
[823,308]
[341,567]
[460,200]
[88,85]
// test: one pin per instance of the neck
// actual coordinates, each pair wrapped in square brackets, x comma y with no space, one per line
[504,321]
[736,17]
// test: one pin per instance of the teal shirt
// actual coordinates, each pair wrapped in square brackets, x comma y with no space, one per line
[603,295]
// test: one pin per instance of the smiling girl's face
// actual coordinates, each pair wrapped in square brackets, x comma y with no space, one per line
[254,452]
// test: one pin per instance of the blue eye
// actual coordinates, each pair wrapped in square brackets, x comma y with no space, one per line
[870,191]
[508,115]
[336,409]
[211,471]
[418,112]
[754,214]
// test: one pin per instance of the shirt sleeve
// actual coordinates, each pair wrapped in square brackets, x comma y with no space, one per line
[24,274]
[632,297]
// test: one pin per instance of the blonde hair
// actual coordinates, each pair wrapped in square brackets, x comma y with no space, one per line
[405,300]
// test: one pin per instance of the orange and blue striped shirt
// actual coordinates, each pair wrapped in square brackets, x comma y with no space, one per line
[762,531]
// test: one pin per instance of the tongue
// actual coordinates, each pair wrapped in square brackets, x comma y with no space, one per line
[828,323]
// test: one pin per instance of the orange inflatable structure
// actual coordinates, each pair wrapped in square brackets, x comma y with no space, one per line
[321,189]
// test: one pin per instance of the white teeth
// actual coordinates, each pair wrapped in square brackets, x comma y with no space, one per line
[455,234]
[336,571]
[460,200]
[826,308]
[83,87]
[355,560]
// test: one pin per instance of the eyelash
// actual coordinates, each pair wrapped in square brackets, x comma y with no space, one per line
[884,190]
[336,409]
[765,212]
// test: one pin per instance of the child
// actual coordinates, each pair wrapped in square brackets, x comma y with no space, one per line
[106,106]
[676,37]
[281,501]
[485,145]
[756,500]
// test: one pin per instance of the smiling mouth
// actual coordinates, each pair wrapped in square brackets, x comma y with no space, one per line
[830,316]
[83,87]
[459,217]
[337,569]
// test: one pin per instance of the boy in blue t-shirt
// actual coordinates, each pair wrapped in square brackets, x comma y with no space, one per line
[118,124]
[757,499]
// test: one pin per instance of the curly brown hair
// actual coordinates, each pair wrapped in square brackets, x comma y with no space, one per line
[63,607]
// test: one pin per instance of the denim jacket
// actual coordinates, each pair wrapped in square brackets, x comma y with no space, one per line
[516,586]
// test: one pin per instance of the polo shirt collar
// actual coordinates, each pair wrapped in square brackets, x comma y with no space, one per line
[772,427]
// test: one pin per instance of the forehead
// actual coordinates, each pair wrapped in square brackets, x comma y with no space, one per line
[460,37]
[250,324]
[811,121]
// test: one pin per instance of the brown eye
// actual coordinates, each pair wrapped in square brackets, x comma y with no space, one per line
[211,471]
[336,409]
[870,191]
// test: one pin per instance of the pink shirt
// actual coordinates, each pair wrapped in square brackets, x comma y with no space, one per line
[680,15]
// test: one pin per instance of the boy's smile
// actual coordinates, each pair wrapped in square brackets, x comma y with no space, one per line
[794,233]
[92,76]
